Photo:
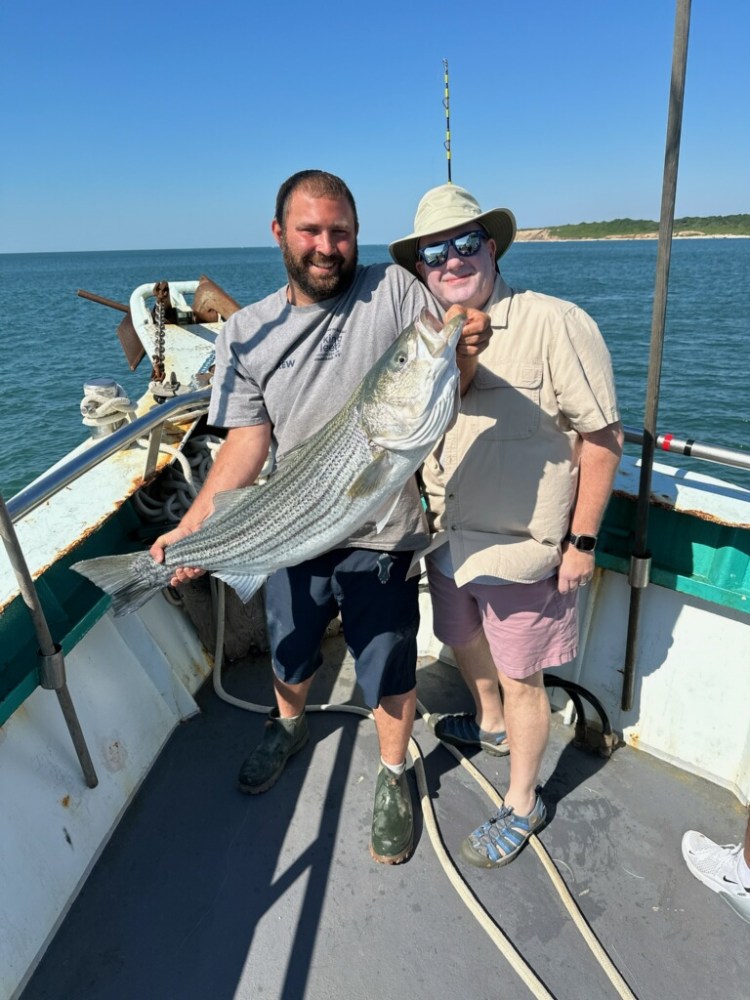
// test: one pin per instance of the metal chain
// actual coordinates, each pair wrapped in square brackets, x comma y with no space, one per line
[158,359]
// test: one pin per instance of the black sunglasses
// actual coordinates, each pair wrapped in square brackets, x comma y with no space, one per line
[465,245]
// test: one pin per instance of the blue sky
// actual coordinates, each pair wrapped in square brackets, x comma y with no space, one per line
[165,125]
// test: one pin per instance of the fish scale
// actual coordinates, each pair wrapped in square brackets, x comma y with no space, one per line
[277,509]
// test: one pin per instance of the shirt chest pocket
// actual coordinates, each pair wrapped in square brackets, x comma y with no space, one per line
[507,406]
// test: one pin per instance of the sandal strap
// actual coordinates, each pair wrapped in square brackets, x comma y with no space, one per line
[463,726]
[505,834]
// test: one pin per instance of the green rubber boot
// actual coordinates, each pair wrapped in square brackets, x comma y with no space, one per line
[281,739]
[392,820]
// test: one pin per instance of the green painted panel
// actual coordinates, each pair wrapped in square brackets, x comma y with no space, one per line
[690,554]
[71,604]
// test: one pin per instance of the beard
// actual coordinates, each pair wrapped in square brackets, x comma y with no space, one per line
[319,286]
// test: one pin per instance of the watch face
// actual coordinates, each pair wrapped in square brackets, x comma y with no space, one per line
[585,543]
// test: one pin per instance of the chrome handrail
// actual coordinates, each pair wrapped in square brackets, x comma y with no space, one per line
[693,449]
[57,479]
[52,482]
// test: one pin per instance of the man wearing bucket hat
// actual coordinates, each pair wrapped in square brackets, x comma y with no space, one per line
[516,492]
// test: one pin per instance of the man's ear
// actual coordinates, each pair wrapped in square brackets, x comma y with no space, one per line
[277,231]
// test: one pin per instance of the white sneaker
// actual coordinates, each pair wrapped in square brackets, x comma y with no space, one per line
[717,867]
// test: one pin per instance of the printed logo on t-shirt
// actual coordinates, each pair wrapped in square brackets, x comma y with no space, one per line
[330,346]
[289,363]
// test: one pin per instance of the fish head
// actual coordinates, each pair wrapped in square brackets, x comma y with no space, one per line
[410,396]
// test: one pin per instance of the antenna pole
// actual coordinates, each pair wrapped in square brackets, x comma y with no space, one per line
[447,106]
[640,560]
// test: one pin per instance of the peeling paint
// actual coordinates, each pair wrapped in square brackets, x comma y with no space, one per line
[175,435]
[664,502]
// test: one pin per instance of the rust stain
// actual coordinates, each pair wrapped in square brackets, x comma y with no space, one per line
[20,713]
[132,487]
[91,530]
[664,503]
[65,802]
[712,519]
[9,601]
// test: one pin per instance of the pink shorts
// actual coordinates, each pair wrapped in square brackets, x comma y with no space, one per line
[529,626]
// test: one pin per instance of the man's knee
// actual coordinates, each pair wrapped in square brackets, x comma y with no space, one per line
[531,687]
[398,706]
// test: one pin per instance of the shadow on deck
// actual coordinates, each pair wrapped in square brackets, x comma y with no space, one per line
[205,892]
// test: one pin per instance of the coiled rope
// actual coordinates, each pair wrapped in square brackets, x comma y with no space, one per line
[168,498]
[99,406]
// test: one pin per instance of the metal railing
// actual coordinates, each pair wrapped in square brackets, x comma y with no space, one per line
[150,423]
[51,665]
[693,449]
[52,482]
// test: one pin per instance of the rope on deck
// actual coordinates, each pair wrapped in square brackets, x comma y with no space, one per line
[485,920]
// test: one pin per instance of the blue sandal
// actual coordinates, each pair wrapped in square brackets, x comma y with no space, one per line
[496,842]
[462,731]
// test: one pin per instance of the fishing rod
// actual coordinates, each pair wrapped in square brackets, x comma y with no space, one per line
[447,106]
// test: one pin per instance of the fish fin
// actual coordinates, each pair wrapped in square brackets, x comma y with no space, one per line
[228,500]
[300,446]
[373,477]
[383,514]
[246,584]
[123,579]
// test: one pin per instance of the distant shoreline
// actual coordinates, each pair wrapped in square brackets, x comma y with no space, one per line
[545,236]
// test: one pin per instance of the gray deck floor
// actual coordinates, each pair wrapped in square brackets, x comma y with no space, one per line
[207,893]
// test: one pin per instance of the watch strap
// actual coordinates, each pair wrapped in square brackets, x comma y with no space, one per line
[584,543]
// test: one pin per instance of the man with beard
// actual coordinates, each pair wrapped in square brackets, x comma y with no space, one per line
[284,367]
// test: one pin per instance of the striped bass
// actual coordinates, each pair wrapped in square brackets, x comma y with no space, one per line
[347,474]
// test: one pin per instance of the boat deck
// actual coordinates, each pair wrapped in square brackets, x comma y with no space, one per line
[205,892]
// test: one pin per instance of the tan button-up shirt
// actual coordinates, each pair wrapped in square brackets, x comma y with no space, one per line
[502,483]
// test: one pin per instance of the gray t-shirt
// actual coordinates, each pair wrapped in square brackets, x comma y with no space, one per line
[295,366]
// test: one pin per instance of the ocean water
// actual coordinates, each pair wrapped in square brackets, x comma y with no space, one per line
[53,340]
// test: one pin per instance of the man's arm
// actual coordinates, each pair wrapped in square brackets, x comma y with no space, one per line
[238,462]
[599,459]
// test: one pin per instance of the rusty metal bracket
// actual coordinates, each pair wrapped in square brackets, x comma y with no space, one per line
[154,442]
[52,670]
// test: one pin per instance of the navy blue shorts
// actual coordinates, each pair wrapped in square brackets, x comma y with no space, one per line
[379,613]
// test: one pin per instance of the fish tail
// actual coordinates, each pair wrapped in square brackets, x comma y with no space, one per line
[130,580]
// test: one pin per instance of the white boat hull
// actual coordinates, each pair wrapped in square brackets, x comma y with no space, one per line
[132,682]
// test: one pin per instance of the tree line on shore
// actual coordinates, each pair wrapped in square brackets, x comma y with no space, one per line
[707,225]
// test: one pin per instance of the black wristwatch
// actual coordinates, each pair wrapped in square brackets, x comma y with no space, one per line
[584,543]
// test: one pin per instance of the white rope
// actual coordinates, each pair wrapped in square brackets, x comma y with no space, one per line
[101,407]
[494,932]
[169,497]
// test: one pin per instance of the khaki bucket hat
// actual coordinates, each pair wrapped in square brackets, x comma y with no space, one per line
[444,208]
